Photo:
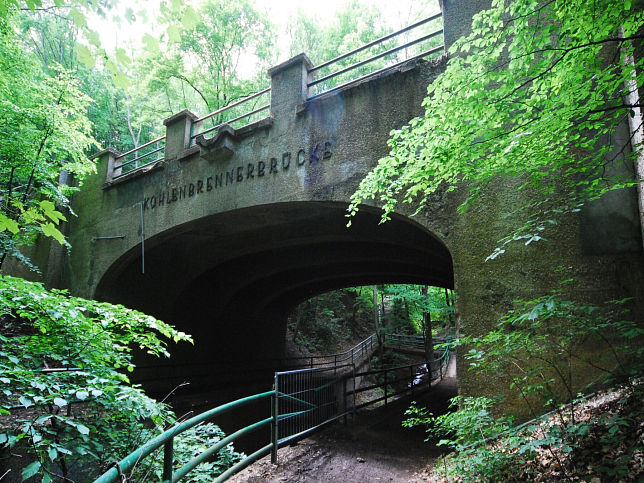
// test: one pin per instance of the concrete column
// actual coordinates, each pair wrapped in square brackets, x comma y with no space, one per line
[289,87]
[177,134]
[108,161]
[457,18]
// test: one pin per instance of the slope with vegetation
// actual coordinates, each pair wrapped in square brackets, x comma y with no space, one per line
[534,93]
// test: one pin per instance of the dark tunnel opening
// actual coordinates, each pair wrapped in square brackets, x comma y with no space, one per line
[230,281]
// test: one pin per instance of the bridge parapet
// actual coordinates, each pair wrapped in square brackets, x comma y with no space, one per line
[292,84]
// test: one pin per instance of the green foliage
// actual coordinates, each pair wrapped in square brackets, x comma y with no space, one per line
[323,322]
[355,24]
[196,65]
[543,347]
[464,430]
[43,130]
[546,343]
[534,92]
[600,441]
[63,367]
[189,444]
[409,304]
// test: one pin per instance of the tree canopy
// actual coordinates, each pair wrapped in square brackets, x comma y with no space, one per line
[534,92]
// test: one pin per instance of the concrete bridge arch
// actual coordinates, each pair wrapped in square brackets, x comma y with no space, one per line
[230,279]
[257,214]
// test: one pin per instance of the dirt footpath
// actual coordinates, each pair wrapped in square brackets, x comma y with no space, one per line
[374,447]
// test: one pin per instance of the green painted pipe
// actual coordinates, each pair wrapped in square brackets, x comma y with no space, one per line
[243,463]
[194,462]
[127,463]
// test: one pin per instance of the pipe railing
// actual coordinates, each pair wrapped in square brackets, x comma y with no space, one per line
[195,125]
[412,376]
[307,403]
[166,439]
[140,156]
[380,42]
[355,354]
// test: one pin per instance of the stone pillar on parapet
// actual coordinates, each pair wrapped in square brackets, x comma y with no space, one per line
[289,86]
[457,18]
[109,162]
[179,128]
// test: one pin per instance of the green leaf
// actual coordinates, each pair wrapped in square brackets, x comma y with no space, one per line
[151,44]
[7,223]
[60,402]
[48,229]
[30,470]
[46,478]
[174,33]
[53,454]
[190,18]
[93,38]
[25,401]
[78,17]
[129,15]
[121,80]
[82,429]
[85,56]
[122,57]
[50,211]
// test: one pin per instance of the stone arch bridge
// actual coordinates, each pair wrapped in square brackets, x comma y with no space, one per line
[233,230]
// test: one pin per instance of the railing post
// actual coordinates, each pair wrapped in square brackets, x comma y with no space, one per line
[344,399]
[275,415]
[177,134]
[111,159]
[289,87]
[385,387]
[168,457]
[411,379]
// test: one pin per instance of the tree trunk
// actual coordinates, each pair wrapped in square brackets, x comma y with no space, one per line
[427,333]
[376,320]
[298,318]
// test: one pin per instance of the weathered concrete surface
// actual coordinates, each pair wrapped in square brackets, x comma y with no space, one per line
[241,227]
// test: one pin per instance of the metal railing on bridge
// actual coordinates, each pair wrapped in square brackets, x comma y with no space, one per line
[384,53]
[390,57]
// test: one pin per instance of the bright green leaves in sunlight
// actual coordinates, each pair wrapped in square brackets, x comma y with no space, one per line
[531,93]
[60,357]
[44,129]
[190,18]
[85,56]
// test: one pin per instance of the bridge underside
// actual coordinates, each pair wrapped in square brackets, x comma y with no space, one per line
[231,279]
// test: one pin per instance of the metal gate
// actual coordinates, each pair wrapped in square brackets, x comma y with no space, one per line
[306,399]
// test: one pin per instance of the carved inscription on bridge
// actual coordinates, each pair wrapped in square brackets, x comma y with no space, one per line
[239,174]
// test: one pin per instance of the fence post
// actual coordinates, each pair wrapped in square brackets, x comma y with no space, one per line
[385,387]
[274,415]
[411,379]
[344,399]
[168,456]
